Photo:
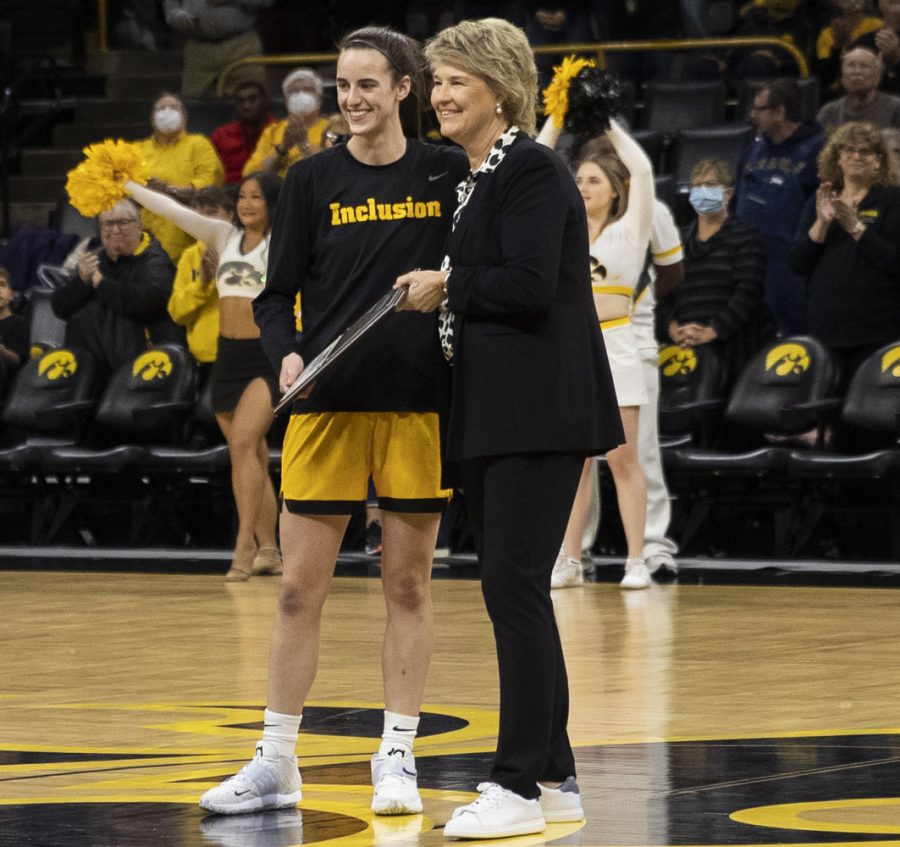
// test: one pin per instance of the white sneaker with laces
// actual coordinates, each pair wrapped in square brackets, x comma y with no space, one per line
[636,574]
[496,813]
[563,804]
[261,784]
[567,572]
[394,779]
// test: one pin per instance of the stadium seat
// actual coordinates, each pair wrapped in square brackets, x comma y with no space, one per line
[690,395]
[205,115]
[838,483]
[147,403]
[785,390]
[673,106]
[692,145]
[66,218]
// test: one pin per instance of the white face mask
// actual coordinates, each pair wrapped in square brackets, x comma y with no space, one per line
[168,119]
[302,103]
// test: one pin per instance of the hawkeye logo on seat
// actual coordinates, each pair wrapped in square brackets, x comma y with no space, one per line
[154,364]
[60,364]
[787,359]
[890,361]
[677,361]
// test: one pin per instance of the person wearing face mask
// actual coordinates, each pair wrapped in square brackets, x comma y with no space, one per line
[178,163]
[720,301]
[297,136]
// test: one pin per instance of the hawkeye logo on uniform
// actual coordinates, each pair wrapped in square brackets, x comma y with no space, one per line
[60,364]
[372,210]
[677,361]
[890,361]
[152,365]
[788,359]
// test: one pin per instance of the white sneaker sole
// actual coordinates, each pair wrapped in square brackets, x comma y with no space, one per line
[565,816]
[395,806]
[257,804]
[460,830]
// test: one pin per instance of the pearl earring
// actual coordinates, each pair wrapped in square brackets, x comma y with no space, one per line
[499,109]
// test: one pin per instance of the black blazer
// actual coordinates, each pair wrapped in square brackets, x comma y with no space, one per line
[530,371]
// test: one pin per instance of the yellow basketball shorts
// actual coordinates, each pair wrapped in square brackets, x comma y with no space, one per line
[328,458]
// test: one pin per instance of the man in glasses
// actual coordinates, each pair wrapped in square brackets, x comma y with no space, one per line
[774,178]
[114,304]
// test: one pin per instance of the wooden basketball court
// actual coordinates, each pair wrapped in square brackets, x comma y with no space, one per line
[701,714]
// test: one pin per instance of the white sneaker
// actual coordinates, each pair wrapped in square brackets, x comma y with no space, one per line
[636,574]
[563,804]
[394,779]
[661,560]
[260,785]
[567,572]
[497,813]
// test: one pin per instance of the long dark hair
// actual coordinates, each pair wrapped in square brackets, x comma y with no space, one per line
[270,185]
[404,58]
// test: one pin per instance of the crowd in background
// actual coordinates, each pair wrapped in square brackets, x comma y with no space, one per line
[788,240]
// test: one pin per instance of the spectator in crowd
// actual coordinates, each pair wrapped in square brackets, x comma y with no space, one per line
[637,20]
[887,42]
[848,243]
[194,303]
[244,386]
[851,26]
[178,163]
[297,136]
[891,138]
[114,305]
[549,22]
[775,177]
[216,33]
[236,141]
[787,19]
[336,131]
[14,341]
[720,302]
[861,72]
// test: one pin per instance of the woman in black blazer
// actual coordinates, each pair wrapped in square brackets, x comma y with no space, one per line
[532,397]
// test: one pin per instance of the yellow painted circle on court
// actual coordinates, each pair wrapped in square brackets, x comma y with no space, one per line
[871,815]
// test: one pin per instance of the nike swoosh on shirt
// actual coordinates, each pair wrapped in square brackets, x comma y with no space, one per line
[433,177]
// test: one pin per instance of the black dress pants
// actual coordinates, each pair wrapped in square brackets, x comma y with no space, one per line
[519,506]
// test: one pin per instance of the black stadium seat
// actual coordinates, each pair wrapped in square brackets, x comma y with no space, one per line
[672,106]
[692,145]
[691,382]
[785,390]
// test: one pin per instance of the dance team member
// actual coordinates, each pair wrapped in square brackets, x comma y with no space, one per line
[532,398]
[350,221]
[244,386]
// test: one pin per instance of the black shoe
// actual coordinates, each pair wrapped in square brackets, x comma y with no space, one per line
[373,539]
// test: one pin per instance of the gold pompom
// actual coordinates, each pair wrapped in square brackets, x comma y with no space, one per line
[556,95]
[95,185]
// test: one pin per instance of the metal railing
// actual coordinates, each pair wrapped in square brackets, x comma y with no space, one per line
[600,49]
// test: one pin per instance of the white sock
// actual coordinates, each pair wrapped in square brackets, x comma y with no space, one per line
[399,734]
[279,735]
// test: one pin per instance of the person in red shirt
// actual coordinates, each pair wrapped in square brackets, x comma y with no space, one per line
[236,141]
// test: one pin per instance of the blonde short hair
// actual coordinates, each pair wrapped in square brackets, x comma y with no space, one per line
[720,168]
[497,52]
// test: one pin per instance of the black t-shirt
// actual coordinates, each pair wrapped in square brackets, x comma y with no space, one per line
[14,334]
[344,231]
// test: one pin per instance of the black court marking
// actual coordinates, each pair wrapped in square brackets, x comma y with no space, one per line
[29,757]
[660,794]
[352,722]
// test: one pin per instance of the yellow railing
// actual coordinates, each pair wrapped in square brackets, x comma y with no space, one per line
[599,48]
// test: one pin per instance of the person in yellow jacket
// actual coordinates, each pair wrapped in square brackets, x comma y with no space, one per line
[297,136]
[194,303]
[178,163]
